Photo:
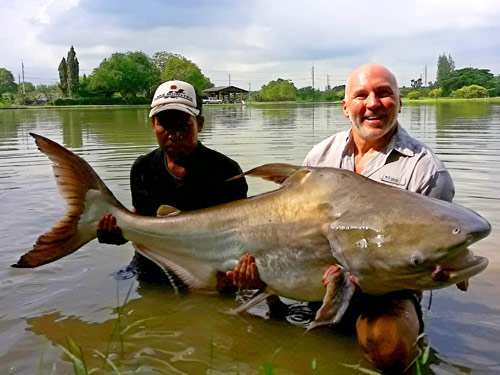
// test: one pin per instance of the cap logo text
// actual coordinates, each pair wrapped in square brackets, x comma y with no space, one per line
[174,94]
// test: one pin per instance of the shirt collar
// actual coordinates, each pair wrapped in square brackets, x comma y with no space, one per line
[400,142]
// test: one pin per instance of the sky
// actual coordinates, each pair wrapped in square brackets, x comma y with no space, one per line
[249,43]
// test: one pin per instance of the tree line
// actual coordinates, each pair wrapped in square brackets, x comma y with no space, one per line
[131,78]
[458,83]
[122,78]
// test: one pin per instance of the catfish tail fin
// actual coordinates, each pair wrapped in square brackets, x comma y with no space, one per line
[87,200]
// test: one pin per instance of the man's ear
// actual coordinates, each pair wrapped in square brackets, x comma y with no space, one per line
[346,112]
[201,122]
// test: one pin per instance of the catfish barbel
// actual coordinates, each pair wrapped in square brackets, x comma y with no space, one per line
[384,238]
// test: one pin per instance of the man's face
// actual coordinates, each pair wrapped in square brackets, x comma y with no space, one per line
[177,132]
[372,102]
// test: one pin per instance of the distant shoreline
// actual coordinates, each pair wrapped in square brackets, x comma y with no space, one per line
[495,99]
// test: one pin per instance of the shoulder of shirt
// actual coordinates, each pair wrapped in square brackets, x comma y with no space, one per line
[153,156]
[412,147]
[324,146]
[219,157]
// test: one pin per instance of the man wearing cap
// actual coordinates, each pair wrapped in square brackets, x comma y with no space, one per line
[181,173]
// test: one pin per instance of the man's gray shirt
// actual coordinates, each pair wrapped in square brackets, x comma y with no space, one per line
[405,163]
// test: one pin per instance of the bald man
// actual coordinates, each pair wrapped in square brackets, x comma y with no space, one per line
[376,146]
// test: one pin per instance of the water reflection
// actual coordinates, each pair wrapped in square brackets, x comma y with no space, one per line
[212,342]
[455,113]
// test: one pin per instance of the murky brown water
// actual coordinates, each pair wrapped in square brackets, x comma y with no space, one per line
[189,334]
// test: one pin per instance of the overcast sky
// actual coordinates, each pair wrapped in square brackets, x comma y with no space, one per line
[253,42]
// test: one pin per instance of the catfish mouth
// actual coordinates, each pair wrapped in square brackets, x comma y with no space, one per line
[464,264]
[460,268]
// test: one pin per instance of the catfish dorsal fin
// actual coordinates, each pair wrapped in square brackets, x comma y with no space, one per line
[166,210]
[275,172]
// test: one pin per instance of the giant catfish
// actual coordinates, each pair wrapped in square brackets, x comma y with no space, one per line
[384,238]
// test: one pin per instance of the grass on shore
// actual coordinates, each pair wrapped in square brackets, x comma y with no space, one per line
[495,99]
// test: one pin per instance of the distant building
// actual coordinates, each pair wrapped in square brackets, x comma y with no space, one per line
[228,94]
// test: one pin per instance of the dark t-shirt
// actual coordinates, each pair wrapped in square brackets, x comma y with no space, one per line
[204,185]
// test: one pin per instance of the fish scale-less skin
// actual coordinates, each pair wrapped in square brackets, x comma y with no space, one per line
[386,239]
[292,252]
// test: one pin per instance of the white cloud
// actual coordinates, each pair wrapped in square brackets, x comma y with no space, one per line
[255,41]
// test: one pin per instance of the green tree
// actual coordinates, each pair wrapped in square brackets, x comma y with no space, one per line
[48,89]
[494,86]
[63,76]
[450,83]
[436,93]
[308,94]
[341,95]
[173,66]
[130,74]
[26,93]
[73,68]
[330,95]
[7,81]
[279,90]
[473,76]
[84,90]
[416,83]
[470,92]
[28,87]
[445,68]
[415,94]
[467,77]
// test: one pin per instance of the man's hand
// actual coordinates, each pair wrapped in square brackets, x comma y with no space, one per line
[332,270]
[463,285]
[245,275]
[108,232]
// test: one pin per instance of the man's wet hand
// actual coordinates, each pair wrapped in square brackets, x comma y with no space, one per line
[332,270]
[463,285]
[108,232]
[245,275]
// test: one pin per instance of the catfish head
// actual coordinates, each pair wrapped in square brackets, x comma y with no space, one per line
[407,241]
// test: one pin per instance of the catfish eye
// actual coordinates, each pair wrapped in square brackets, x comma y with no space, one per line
[416,260]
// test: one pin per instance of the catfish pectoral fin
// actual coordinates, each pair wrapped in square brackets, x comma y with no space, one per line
[339,292]
[258,297]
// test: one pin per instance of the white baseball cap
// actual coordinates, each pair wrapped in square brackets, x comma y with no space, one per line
[177,95]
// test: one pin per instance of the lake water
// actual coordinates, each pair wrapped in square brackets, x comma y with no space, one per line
[77,296]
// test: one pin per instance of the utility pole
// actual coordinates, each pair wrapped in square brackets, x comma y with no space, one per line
[312,74]
[328,82]
[425,75]
[229,79]
[22,65]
